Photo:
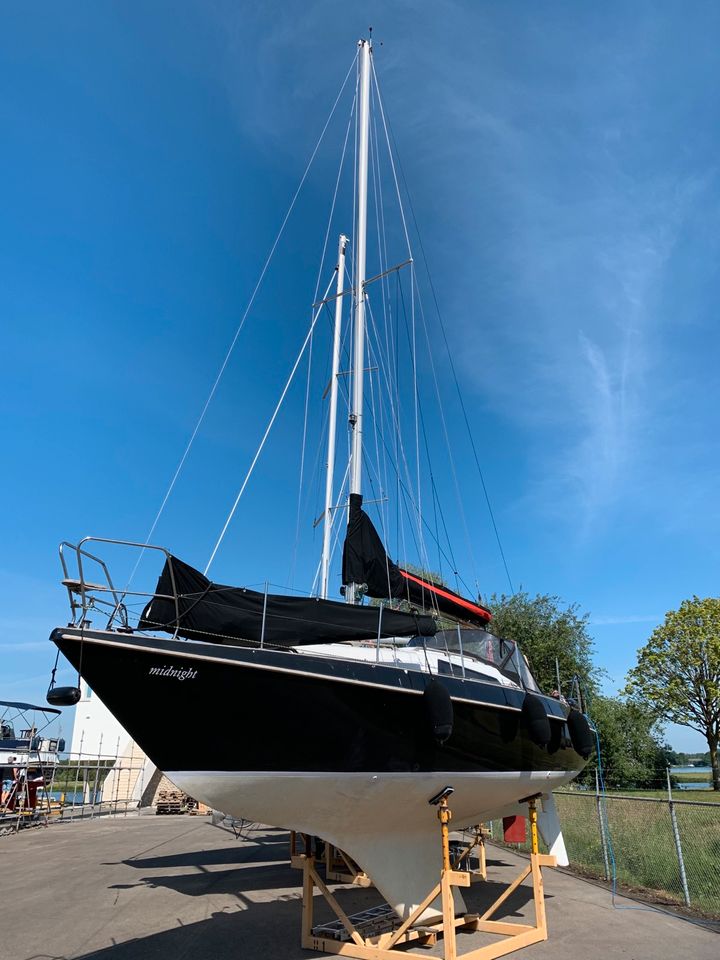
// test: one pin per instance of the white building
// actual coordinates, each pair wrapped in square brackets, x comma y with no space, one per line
[98,735]
[96,732]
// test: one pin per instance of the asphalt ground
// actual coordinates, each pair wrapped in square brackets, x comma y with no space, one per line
[171,888]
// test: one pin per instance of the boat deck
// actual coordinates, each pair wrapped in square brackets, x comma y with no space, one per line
[169,888]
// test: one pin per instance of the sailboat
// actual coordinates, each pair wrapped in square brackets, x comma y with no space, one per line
[337,718]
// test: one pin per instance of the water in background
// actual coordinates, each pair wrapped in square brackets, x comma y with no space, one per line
[694,786]
[69,796]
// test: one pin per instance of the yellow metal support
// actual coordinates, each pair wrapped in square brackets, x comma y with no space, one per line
[532,814]
[445,816]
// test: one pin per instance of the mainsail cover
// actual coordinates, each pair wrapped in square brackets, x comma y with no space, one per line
[221,614]
[365,561]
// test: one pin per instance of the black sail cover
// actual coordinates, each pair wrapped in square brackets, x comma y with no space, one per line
[365,561]
[219,614]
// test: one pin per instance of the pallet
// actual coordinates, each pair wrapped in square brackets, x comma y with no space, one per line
[171,803]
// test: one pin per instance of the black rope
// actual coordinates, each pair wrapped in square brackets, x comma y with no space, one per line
[54,671]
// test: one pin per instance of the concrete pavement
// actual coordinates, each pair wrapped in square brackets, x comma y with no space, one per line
[171,888]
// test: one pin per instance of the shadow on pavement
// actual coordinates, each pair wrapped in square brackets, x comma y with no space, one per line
[248,852]
[270,928]
[267,930]
[233,882]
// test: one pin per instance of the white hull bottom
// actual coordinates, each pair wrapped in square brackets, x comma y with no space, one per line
[383,821]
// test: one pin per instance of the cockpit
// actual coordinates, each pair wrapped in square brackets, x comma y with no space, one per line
[476,644]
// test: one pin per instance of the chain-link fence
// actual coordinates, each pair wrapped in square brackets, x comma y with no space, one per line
[35,791]
[659,849]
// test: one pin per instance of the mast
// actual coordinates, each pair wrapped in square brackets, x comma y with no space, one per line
[356,415]
[332,422]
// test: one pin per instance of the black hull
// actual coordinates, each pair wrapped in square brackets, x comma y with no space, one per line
[194,706]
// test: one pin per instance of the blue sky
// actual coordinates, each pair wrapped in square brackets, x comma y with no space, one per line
[562,163]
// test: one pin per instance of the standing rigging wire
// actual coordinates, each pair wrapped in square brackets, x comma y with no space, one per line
[310,353]
[382,247]
[413,288]
[392,162]
[267,433]
[451,457]
[303,443]
[388,134]
[447,441]
[376,90]
[336,536]
[416,398]
[383,280]
[240,326]
[382,255]
[395,423]
[405,498]
[377,425]
[315,484]
[381,492]
[437,505]
[396,343]
[419,520]
[315,487]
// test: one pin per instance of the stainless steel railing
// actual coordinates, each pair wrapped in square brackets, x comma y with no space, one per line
[87,591]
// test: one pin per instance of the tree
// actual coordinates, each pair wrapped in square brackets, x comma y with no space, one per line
[678,672]
[546,631]
[632,750]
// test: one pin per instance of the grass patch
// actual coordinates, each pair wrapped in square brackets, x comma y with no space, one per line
[692,777]
[641,834]
[689,796]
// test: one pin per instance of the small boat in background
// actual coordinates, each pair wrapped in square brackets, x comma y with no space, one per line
[27,759]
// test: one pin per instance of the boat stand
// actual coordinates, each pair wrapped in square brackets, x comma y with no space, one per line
[362,935]
[339,867]
[465,854]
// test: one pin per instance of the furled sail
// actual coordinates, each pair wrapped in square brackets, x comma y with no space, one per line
[220,614]
[365,561]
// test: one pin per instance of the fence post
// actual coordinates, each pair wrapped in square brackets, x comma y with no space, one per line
[678,845]
[601,821]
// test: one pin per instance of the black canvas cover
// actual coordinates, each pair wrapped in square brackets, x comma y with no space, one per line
[364,557]
[221,614]
[365,561]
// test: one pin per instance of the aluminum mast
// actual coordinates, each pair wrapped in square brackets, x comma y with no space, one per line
[356,415]
[332,421]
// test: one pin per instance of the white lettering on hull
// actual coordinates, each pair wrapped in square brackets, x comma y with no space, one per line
[177,673]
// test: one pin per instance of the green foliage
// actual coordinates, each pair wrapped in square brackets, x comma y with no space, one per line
[681,759]
[678,672]
[546,630]
[431,576]
[634,755]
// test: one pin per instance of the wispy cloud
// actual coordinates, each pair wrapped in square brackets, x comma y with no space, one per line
[607,621]
[574,336]
[27,682]
[28,645]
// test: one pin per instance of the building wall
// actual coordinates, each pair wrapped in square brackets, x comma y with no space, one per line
[95,730]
